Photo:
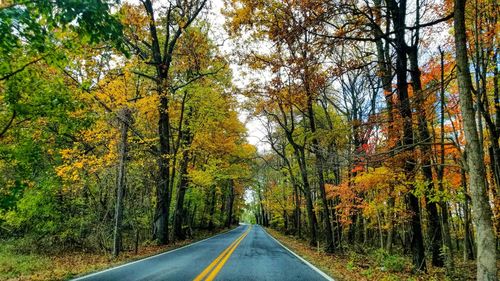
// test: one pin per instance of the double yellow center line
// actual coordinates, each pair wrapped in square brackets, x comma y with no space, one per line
[213,269]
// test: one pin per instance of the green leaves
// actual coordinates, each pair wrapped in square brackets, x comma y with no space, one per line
[32,24]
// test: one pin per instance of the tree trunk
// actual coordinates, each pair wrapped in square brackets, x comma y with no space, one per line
[184,141]
[468,241]
[435,234]
[126,117]
[309,203]
[384,67]
[482,215]
[440,174]
[163,196]
[179,212]
[330,246]
[296,210]
[399,18]
[211,225]
[299,154]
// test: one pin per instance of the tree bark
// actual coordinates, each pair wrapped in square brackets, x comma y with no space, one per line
[482,215]
[163,195]
[213,200]
[440,173]
[435,233]
[398,17]
[299,154]
[468,241]
[126,115]
[309,203]
[330,246]
[185,140]
[384,67]
[179,212]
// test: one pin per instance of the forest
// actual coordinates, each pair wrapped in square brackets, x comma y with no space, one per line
[359,130]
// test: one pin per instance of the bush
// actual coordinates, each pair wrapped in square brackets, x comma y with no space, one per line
[394,263]
[389,262]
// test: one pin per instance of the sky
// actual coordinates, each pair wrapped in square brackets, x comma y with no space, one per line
[255,131]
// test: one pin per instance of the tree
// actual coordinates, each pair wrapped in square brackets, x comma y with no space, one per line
[486,250]
[126,116]
[161,55]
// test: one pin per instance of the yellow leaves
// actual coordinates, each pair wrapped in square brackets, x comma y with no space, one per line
[379,178]
[114,93]
[203,178]
[133,17]
[78,163]
[247,150]
[148,108]
[241,13]
[67,153]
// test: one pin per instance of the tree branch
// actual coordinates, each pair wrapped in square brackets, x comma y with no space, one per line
[20,69]
[9,124]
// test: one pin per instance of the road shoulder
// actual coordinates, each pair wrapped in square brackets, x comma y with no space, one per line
[309,256]
[166,250]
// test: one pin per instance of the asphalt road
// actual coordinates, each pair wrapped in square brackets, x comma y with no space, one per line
[245,253]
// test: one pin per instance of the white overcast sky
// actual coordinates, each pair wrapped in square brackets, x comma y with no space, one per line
[255,130]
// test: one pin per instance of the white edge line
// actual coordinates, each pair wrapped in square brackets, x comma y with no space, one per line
[302,259]
[147,258]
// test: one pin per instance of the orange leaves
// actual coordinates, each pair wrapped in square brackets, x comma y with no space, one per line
[370,192]
[357,168]
[349,201]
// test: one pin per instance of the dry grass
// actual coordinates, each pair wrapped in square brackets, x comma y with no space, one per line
[351,266]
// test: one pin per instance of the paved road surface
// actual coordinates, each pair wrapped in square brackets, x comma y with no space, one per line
[245,253]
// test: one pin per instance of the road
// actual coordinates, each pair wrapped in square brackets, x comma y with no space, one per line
[245,253]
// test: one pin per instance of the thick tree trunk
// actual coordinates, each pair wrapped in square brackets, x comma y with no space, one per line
[126,116]
[482,215]
[416,242]
[435,233]
[179,212]
[313,238]
[299,154]
[185,140]
[163,196]
[468,241]
[296,210]
[330,246]
[398,17]
[384,67]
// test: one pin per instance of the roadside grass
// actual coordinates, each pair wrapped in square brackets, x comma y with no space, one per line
[16,265]
[372,264]
[13,264]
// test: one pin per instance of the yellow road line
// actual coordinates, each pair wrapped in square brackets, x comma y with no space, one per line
[224,260]
[221,256]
